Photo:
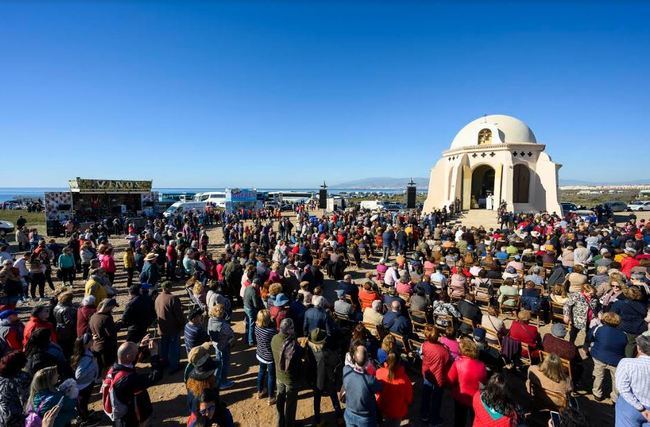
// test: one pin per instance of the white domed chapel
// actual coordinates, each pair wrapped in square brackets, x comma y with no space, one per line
[492,159]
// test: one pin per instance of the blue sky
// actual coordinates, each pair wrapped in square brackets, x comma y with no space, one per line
[290,93]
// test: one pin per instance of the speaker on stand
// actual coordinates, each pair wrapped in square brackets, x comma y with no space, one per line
[410,195]
[322,197]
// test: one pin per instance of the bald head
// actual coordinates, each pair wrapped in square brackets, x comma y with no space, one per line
[395,306]
[127,353]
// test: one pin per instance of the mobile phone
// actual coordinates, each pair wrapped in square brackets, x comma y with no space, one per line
[60,403]
[555,418]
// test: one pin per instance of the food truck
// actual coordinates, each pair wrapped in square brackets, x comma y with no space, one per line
[90,200]
[242,198]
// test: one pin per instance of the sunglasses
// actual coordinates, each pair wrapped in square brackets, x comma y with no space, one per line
[207,410]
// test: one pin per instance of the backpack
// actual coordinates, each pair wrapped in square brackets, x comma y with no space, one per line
[33,419]
[113,407]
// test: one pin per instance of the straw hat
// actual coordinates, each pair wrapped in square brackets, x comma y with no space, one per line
[151,256]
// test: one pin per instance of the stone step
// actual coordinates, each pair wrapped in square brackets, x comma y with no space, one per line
[478,217]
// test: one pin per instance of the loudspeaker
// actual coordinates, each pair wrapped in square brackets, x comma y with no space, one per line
[322,198]
[410,196]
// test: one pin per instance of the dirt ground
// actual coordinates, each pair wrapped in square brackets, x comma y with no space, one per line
[169,395]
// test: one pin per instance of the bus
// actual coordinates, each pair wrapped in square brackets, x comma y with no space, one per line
[290,196]
[175,197]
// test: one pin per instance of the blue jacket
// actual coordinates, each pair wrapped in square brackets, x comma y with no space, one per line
[360,392]
[397,323]
[632,315]
[387,237]
[608,344]
[315,318]
[195,335]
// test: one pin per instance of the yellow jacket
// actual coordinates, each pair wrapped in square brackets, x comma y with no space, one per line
[129,260]
[96,289]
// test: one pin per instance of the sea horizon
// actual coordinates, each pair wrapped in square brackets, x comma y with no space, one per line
[11,193]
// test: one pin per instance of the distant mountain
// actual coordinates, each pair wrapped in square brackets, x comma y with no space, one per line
[386,183]
[567,182]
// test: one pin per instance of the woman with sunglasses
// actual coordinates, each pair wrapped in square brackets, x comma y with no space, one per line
[612,295]
[211,411]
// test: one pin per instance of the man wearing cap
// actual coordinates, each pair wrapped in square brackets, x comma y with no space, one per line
[342,307]
[171,321]
[104,332]
[138,315]
[287,354]
[11,331]
[555,343]
[633,385]
[321,363]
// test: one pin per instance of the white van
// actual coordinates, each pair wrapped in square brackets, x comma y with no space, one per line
[215,198]
[373,205]
[182,207]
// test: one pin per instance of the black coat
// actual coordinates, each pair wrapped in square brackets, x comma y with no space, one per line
[138,315]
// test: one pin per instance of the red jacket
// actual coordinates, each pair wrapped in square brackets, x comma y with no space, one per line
[36,323]
[278,314]
[435,363]
[171,254]
[465,377]
[482,418]
[108,264]
[524,333]
[627,264]
[83,316]
[396,395]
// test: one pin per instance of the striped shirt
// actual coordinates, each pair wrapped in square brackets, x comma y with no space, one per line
[633,381]
[263,337]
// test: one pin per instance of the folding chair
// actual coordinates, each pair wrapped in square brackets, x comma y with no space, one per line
[513,308]
[557,312]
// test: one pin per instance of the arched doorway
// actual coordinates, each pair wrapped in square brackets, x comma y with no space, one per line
[482,186]
[520,183]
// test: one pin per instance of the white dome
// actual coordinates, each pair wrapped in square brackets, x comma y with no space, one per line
[510,130]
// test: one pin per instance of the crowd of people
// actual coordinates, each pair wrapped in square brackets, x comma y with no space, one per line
[356,306]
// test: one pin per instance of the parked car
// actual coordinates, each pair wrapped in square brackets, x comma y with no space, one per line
[639,205]
[6,226]
[394,207]
[616,206]
[585,214]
